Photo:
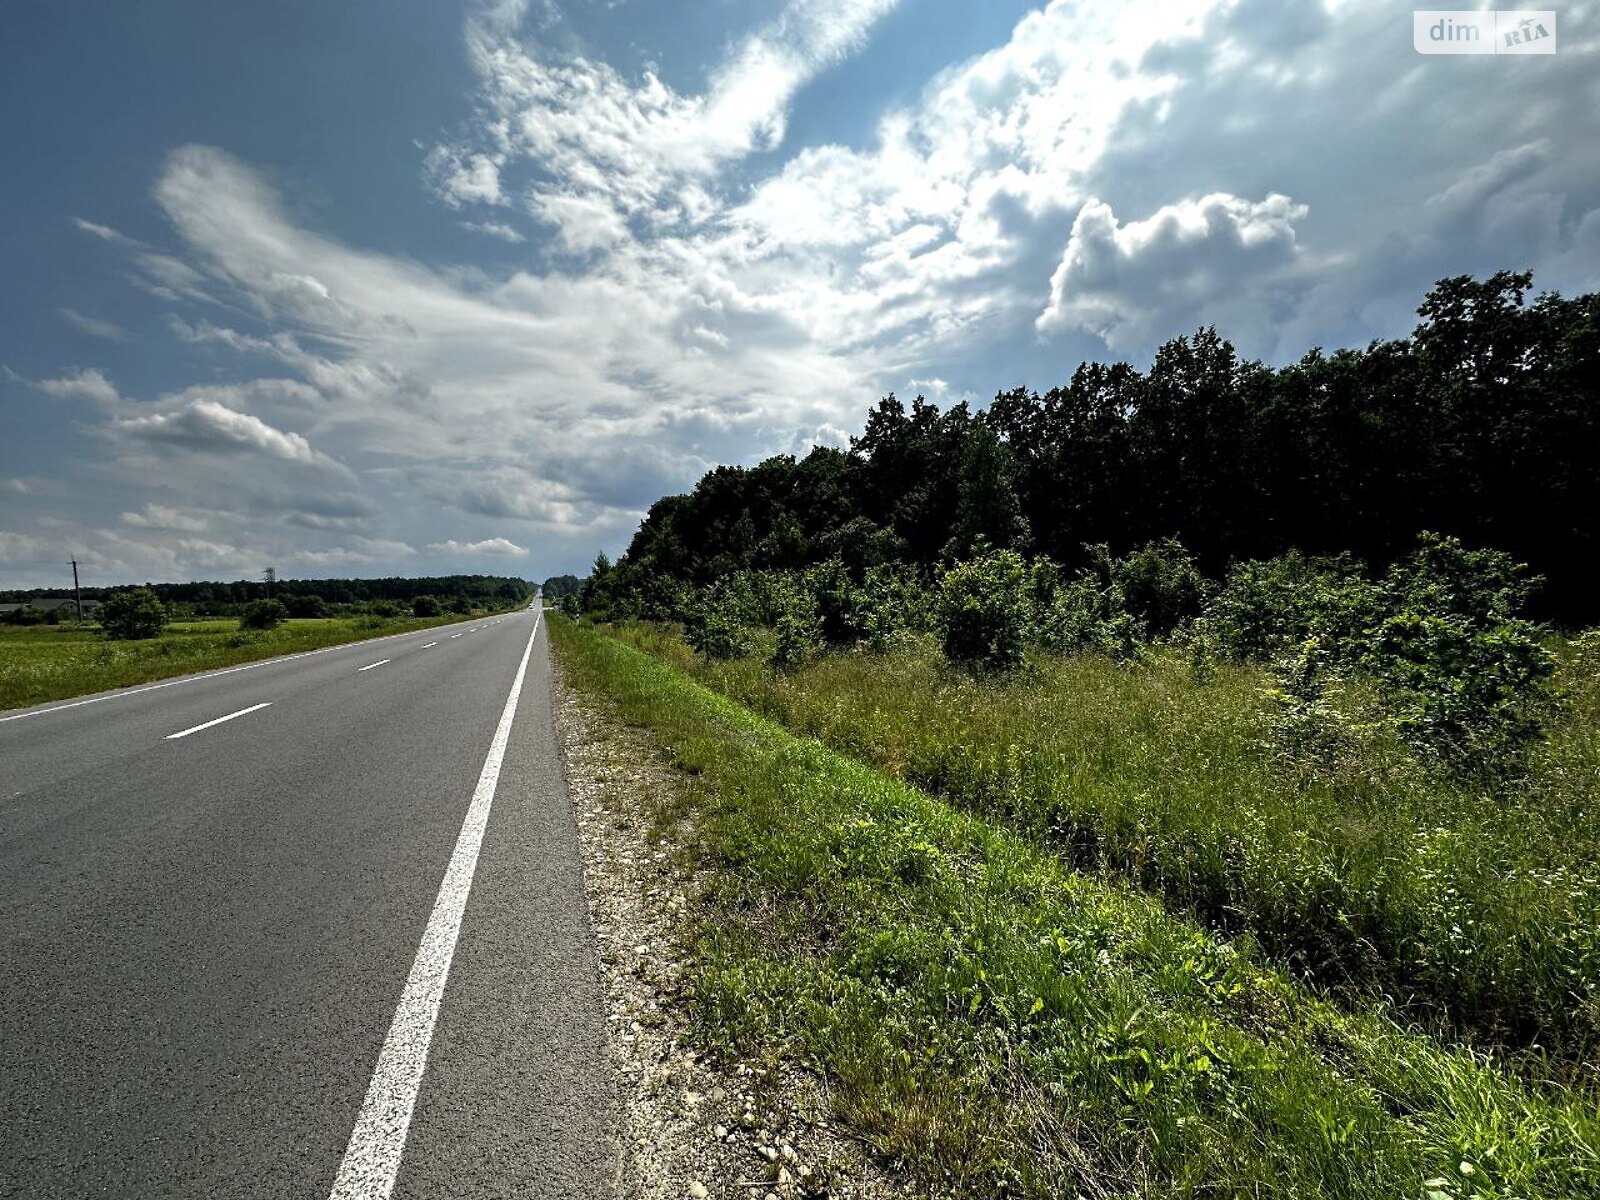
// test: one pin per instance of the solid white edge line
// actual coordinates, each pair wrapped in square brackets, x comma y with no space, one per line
[371,1161]
[183,733]
[250,666]
[369,666]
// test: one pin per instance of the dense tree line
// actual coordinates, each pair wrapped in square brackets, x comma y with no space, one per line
[1483,424]
[558,587]
[311,597]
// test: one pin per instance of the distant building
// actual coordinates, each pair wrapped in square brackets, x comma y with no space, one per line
[45,605]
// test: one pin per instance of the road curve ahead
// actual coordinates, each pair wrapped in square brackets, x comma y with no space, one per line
[311,929]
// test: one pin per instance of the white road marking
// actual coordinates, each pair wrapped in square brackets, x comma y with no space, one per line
[369,666]
[243,712]
[372,1159]
[251,666]
[430,645]
[454,636]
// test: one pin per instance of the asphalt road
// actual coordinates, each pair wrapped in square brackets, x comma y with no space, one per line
[336,945]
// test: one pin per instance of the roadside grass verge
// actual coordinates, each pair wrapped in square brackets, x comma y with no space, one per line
[1475,905]
[998,1025]
[40,663]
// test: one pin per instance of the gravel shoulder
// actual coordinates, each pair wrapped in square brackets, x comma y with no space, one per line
[694,1124]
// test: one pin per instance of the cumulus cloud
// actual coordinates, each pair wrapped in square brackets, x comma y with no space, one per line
[207,425]
[80,383]
[1132,283]
[488,547]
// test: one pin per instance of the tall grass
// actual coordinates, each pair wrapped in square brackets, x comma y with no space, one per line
[1477,906]
[1002,1026]
[43,663]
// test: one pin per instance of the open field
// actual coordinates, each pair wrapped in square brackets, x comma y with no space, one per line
[41,663]
[999,1024]
[1477,907]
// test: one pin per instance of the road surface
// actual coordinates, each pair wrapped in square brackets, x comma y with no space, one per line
[315,928]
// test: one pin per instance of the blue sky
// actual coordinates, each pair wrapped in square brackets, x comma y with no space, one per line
[415,287]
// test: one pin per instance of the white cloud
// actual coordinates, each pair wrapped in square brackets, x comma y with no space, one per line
[489,547]
[367,550]
[1130,284]
[104,232]
[160,516]
[95,326]
[618,150]
[207,425]
[208,555]
[467,178]
[80,383]
[22,549]
[495,229]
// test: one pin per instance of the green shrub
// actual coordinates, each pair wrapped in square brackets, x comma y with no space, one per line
[984,613]
[1267,606]
[837,602]
[893,599]
[1443,578]
[800,632]
[1088,613]
[1473,695]
[1161,586]
[133,614]
[1464,677]
[263,614]
[425,606]
[718,623]
[1460,676]
[1315,719]
[388,610]
[306,606]
[570,606]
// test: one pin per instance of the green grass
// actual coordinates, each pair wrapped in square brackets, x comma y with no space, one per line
[41,663]
[999,1025]
[1477,907]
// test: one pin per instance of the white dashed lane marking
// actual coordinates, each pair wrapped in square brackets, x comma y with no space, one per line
[243,712]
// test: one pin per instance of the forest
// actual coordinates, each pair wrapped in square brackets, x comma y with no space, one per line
[314,597]
[1483,424]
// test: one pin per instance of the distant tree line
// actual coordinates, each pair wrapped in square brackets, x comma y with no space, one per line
[389,596]
[559,587]
[1484,424]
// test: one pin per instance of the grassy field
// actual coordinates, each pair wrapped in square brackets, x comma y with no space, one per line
[41,663]
[1477,907]
[1000,1025]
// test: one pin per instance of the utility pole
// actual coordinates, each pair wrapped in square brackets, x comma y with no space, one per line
[271,576]
[77,592]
